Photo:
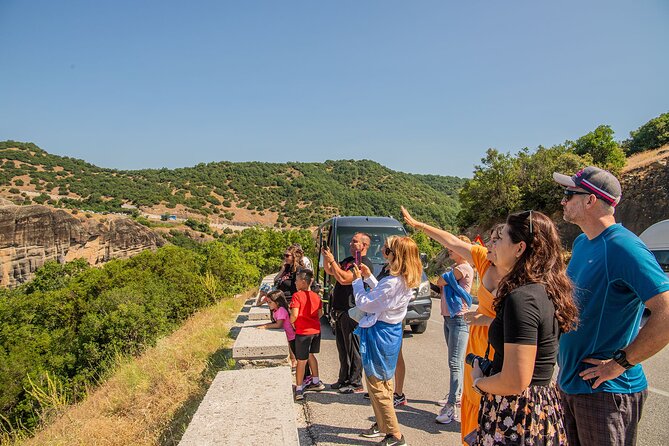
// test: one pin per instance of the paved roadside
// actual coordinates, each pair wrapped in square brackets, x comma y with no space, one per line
[338,419]
[329,418]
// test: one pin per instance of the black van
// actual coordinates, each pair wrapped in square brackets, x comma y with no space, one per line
[337,233]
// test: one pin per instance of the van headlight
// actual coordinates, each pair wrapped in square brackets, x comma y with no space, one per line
[423,289]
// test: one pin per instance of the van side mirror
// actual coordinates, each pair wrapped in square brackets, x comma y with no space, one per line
[423,259]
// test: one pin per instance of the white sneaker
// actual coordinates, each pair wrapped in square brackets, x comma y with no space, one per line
[446,415]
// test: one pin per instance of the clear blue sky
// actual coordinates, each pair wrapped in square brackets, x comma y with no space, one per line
[420,86]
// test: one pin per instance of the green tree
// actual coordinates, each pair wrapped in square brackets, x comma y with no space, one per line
[603,149]
[651,135]
[493,192]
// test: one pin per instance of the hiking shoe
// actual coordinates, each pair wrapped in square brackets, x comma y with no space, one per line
[446,415]
[372,432]
[338,385]
[365,395]
[299,394]
[399,400]
[390,440]
[313,387]
[351,389]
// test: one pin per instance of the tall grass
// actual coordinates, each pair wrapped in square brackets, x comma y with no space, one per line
[147,400]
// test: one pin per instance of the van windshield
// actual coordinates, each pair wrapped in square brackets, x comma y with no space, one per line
[662,257]
[378,237]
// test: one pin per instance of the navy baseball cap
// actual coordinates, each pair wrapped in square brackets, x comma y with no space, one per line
[599,182]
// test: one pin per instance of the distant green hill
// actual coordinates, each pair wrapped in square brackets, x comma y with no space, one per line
[302,194]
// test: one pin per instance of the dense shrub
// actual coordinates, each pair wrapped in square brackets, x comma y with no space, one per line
[651,135]
[71,321]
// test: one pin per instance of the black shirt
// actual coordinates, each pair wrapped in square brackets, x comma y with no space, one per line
[342,295]
[527,317]
[286,282]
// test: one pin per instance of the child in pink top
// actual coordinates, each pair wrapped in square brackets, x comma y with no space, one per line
[278,305]
[280,316]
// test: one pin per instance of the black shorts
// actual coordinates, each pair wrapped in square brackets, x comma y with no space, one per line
[305,344]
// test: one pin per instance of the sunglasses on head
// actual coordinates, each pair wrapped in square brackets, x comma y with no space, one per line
[529,217]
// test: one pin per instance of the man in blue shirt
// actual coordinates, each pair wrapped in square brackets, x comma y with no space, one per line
[615,276]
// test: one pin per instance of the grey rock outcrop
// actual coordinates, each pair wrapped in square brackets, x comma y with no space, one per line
[645,195]
[32,235]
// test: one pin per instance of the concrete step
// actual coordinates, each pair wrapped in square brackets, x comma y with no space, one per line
[250,406]
[253,343]
[259,313]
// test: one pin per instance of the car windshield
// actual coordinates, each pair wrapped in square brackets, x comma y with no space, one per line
[662,257]
[378,237]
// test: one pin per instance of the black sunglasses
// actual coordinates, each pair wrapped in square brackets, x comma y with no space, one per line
[287,255]
[570,193]
[388,251]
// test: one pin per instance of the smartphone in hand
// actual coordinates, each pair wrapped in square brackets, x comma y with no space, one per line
[357,258]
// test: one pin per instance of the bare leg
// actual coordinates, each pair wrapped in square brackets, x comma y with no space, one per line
[299,374]
[293,361]
[313,365]
[400,371]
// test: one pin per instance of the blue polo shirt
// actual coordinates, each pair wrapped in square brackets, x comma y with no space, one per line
[613,275]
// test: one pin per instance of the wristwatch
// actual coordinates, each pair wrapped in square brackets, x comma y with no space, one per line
[620,357]
[477,389]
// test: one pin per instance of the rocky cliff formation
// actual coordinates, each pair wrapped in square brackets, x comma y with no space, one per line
[645,193]
[32,235]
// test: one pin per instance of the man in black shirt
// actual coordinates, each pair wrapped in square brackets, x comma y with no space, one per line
[348,344]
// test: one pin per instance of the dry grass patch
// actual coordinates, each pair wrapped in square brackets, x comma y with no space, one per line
[645,158]
[151,399]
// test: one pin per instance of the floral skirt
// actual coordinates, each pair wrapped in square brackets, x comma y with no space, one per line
[534,417]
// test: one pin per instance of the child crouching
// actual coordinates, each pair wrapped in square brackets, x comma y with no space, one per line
[306,310]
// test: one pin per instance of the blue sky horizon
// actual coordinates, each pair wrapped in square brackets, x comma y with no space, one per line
[422,87]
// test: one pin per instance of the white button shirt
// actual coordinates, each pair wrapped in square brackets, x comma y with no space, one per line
[386,301]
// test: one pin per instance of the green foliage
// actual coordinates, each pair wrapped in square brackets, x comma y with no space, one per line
[651,135]
[60,333]
[198,226]
[603,149]
[505,183]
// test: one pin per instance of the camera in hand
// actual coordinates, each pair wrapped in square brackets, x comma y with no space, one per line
[484,364]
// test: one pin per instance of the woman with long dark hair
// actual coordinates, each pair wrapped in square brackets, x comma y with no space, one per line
[484,263]
[534,306]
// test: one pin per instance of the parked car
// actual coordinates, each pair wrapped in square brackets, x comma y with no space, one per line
[656,238]
[337,233]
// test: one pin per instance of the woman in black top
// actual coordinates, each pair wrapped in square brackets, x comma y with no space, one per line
[534,305]
[285,279]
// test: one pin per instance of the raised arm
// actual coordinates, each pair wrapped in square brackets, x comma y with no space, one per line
[445,238]
[332,268]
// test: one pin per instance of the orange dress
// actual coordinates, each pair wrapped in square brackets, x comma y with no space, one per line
[477,344]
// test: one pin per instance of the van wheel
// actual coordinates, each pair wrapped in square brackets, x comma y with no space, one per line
[419,328]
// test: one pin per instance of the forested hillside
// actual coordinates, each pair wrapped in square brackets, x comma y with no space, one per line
[286,194]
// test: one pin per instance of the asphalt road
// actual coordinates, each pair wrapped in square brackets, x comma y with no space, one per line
[329,418]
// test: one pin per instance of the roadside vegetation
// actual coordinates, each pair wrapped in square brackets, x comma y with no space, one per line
[63,332]
[505,182]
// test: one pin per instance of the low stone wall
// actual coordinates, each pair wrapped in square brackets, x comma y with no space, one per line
[254,403]
[251,406]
